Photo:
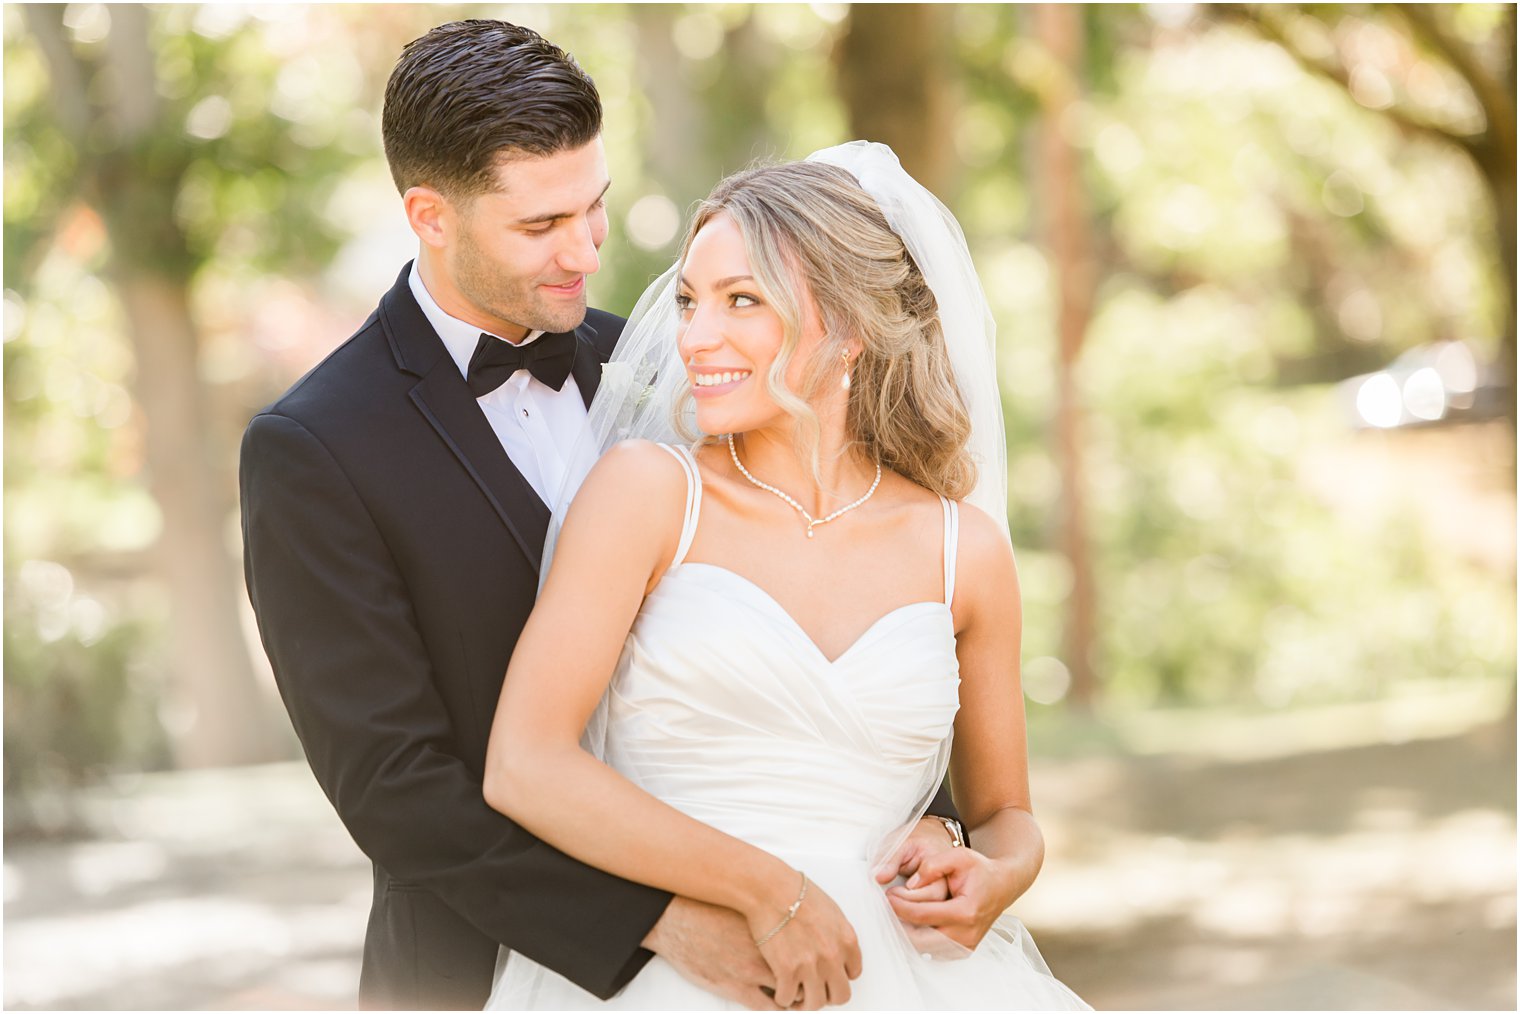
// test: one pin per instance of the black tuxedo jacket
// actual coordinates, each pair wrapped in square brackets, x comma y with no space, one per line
[391,551]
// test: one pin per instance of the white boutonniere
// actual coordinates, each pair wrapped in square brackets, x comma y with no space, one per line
[620,378]
[617,381]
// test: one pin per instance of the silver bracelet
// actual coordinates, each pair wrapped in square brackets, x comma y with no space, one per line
[789,914]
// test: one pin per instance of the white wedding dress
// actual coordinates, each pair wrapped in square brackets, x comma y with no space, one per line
[724,708]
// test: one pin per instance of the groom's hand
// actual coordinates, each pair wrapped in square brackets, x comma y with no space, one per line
[711,946]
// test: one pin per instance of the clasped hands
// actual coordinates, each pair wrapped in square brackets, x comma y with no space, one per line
[951,894]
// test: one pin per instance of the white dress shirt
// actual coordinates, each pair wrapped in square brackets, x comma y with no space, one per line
[538,426]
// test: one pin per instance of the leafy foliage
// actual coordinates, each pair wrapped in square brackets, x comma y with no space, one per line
[1260,235]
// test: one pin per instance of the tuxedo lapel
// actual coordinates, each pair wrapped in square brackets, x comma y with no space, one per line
[450,408]
[587,367]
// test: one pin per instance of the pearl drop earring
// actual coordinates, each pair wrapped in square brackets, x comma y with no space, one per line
[844,383]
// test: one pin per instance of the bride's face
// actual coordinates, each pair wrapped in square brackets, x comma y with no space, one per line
[729,337]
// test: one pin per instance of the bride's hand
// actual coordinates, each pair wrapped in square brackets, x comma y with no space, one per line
[980,891]
[928,838]
[813,956]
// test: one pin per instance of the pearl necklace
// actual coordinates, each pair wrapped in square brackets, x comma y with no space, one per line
[811,521]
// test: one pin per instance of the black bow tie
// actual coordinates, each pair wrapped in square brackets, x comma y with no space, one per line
[548,358]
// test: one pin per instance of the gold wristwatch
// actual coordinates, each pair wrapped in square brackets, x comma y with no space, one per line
[957,836]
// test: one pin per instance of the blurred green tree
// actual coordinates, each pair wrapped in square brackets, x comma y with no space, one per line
[128,160]
[1440,72]
[1255,236]
[1237,229]
[158,126]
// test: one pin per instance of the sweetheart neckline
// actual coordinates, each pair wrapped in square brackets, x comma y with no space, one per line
[797,627]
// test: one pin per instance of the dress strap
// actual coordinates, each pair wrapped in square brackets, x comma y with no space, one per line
[952,542]
[693,498]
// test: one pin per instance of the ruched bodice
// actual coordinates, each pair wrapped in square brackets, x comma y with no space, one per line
[723,707]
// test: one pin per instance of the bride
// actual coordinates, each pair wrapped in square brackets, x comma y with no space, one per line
[788,618]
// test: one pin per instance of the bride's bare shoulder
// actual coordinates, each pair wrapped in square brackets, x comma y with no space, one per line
[626,516]
[636,488]
[638,481]
[984,557]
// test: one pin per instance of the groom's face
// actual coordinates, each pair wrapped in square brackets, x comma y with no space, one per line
[521,253]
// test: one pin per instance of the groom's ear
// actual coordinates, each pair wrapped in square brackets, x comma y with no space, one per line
[426,210]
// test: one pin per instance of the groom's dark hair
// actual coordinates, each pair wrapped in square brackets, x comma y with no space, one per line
[470,93]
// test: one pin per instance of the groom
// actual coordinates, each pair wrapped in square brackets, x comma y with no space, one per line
[394,519]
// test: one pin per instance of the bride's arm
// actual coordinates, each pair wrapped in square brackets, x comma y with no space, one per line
[619,536]
[989,767]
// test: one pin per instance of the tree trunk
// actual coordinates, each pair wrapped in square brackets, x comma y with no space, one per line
[707,119]
[1503,189]
[1068,238]
[737,125]
[217,715]
[891,66]
[1494,155]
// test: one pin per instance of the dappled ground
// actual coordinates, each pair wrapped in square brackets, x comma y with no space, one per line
[1360,875]
[1375,876]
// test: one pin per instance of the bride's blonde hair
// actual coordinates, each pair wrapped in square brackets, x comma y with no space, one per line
[808,224]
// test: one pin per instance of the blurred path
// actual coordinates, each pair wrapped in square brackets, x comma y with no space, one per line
[234,889]
[1377,876]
